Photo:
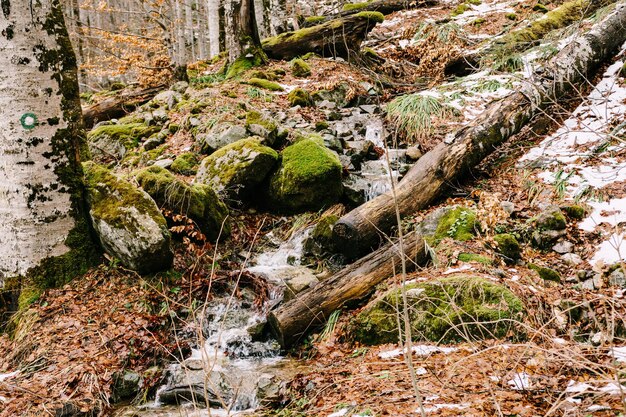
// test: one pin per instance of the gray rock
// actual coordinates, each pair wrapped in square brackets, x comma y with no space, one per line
[563,247]
[180,87]
[168,98]
[617,278]
[342,129]
[571,259]
[126,386]
[153,143]
[428,226]
[293,279]
[128,222]
[164,163]
[355,190]
[194,122]
[333,143]
[221,135]
[414,153]
[546,238]
[370,108]
[508,207]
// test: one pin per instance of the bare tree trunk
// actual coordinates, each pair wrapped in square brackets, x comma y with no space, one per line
[213,14]
[359,231]
[44,234]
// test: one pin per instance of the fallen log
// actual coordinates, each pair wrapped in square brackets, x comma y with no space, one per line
[382,6]
[312,307]
[337,38]
[117,106]
[359,231]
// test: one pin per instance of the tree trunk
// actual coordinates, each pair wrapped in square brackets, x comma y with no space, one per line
[358,231]
[117,106]
[383,6]
[340,37]
[311,308]
[213,14]
[44,233]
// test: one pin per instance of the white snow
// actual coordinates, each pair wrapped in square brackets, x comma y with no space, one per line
[610,251]
[619,353]
[8,375]
[520,381]
[611,212]
[437,407]
[339,413]
[419,350]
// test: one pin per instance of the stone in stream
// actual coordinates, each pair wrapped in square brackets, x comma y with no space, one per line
[129,224]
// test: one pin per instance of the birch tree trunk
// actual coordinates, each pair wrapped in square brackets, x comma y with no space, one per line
[213,14]
[44,234]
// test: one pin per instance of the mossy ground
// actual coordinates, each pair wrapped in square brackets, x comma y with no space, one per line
[449,309]
[459,224]
[299,68]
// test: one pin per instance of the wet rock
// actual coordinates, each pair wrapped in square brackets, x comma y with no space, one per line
[308,178]
[126,386]
[221,134]
[320,241]
[237,169]
[444,310]
[355,190]
[413,153]
[129,224]
[198,201]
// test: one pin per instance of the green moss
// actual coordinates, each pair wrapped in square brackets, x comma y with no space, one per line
[237,167]
[550,219]
[478,21]
[473,257]
[254,117]
[299,68]
[511,16]
[540,8]
[198,202]
[308,178]
[185,164]
[300,97]
[321,125]
[314,20]
[377,17]
[622,71]
[310,55]
[265,84]
[349,7]
[508,247]
[127,134]
[101,184]
[474,2]
[546,273]
[458,224]
[575,211]
[460,9]
[446,310]
[252,57]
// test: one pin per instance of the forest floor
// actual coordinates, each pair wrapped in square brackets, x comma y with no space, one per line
[69,347]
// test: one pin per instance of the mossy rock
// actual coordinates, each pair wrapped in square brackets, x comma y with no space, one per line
[575,211]
[314,20]
[300,97]
[547,274]
[263,75]
[114,140]
[474,257]
[252,57]
[128,222]
[449,309]
[308,178]
[460,9]
[508,247]
[185,164]
[458,223]
[199,202]
[349,7]
[321,239]
[261,125]
[265,84]
[551,218]
[299,68]
[540,8]
[237,169]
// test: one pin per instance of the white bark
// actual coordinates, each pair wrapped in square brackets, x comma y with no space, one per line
[36,212]
[213,13]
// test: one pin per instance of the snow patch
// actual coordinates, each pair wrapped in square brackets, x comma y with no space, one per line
[419,350]
[520,381]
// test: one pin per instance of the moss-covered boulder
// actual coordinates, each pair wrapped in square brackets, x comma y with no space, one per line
[508,247]
[265,84]
[547,274]
[127,221]
[449,309]
[185,164]
[308,178]
[300,97]
[237,169]
[112,141]
[199,202]
[220,135]
[549,226]
[456,222]
[299,68]
[264,126]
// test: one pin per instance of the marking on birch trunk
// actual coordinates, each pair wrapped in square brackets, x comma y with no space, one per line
[29,121]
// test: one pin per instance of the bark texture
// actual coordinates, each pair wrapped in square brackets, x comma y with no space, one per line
[359,231]
[43,229]
[311,308]
[337,38]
